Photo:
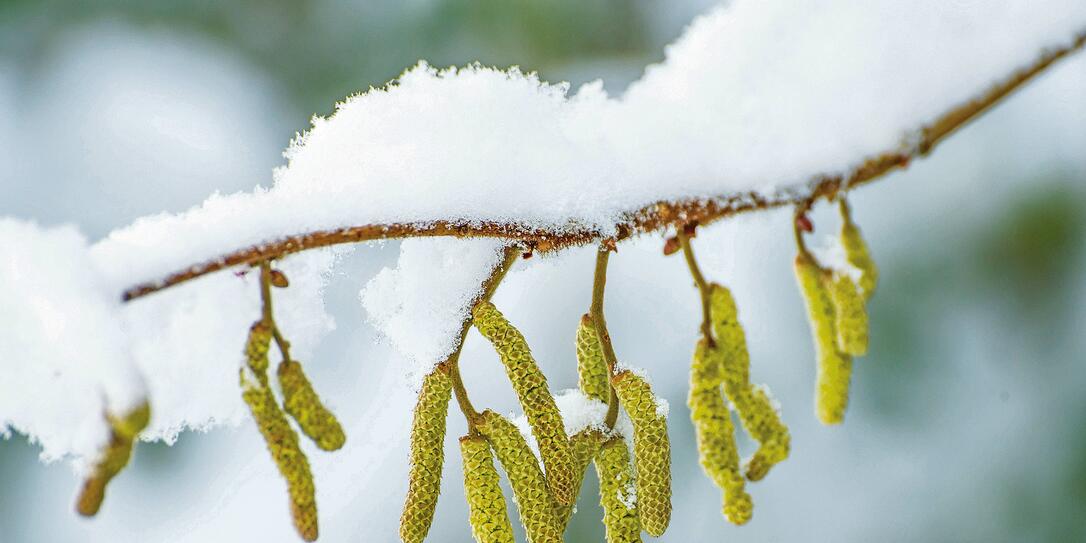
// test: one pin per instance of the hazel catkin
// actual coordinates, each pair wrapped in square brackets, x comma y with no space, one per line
[486,504]
[594,378]
[715,434]
[529,485]
[652,450]
[283,445]
[834,367]
[850,320]
[857,253]
[535,398]
[302,403]
[618,495]
[427,456]
[756,412]
[123,432]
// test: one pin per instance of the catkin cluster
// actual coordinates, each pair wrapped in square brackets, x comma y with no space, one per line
[535,398]
[652,450]
[427,456]
[123,432]
[838,316]
[301,402]
[755,409]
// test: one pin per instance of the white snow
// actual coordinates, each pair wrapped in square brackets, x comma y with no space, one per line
[760,95]
[831,254]
[64,354]
[421,305]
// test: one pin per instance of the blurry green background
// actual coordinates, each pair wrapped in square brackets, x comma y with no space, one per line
[966,422]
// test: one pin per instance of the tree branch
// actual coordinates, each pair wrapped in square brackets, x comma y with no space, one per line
[653,218]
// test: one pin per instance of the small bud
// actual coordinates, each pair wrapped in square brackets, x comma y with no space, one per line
[427,456]
[486,504]
[530,490]
[535,398]
[671,245]
[652,451]
[279,279]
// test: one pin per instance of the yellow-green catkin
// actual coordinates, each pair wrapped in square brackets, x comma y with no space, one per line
[283,445]
[618,495]
[256,350]
[857,253]
[756,411]
[715,434]
[115,456]
[427,456]
[531,387]
[851,314]
[302,403]
[585,444]
[652,450]
[486,504]
[594,379]
[534,501]
[834,367]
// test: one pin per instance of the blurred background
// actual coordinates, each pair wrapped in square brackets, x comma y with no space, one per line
[965,423]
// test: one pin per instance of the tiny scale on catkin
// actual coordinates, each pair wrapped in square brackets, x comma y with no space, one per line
[617,494]
[123,432]
[834,367]
[529,485]
[486,504]
[652,451]
[535,398]
[427,456]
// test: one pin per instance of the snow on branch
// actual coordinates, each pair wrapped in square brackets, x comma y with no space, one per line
[758,105]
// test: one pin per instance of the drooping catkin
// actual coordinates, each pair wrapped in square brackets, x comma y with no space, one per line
[715,435]
[256,350]
[594,379]
[618,495]
[529,485]
[851,314]
[652,450]
[302,403]
[834,367]
[857,253]
[486,504]
[427,456]
[755,409]
[585,444]
[535,398]
[283,445]
[115,456]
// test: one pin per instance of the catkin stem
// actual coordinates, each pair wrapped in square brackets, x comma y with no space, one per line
[452,363]
[703,286]
[599,284]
